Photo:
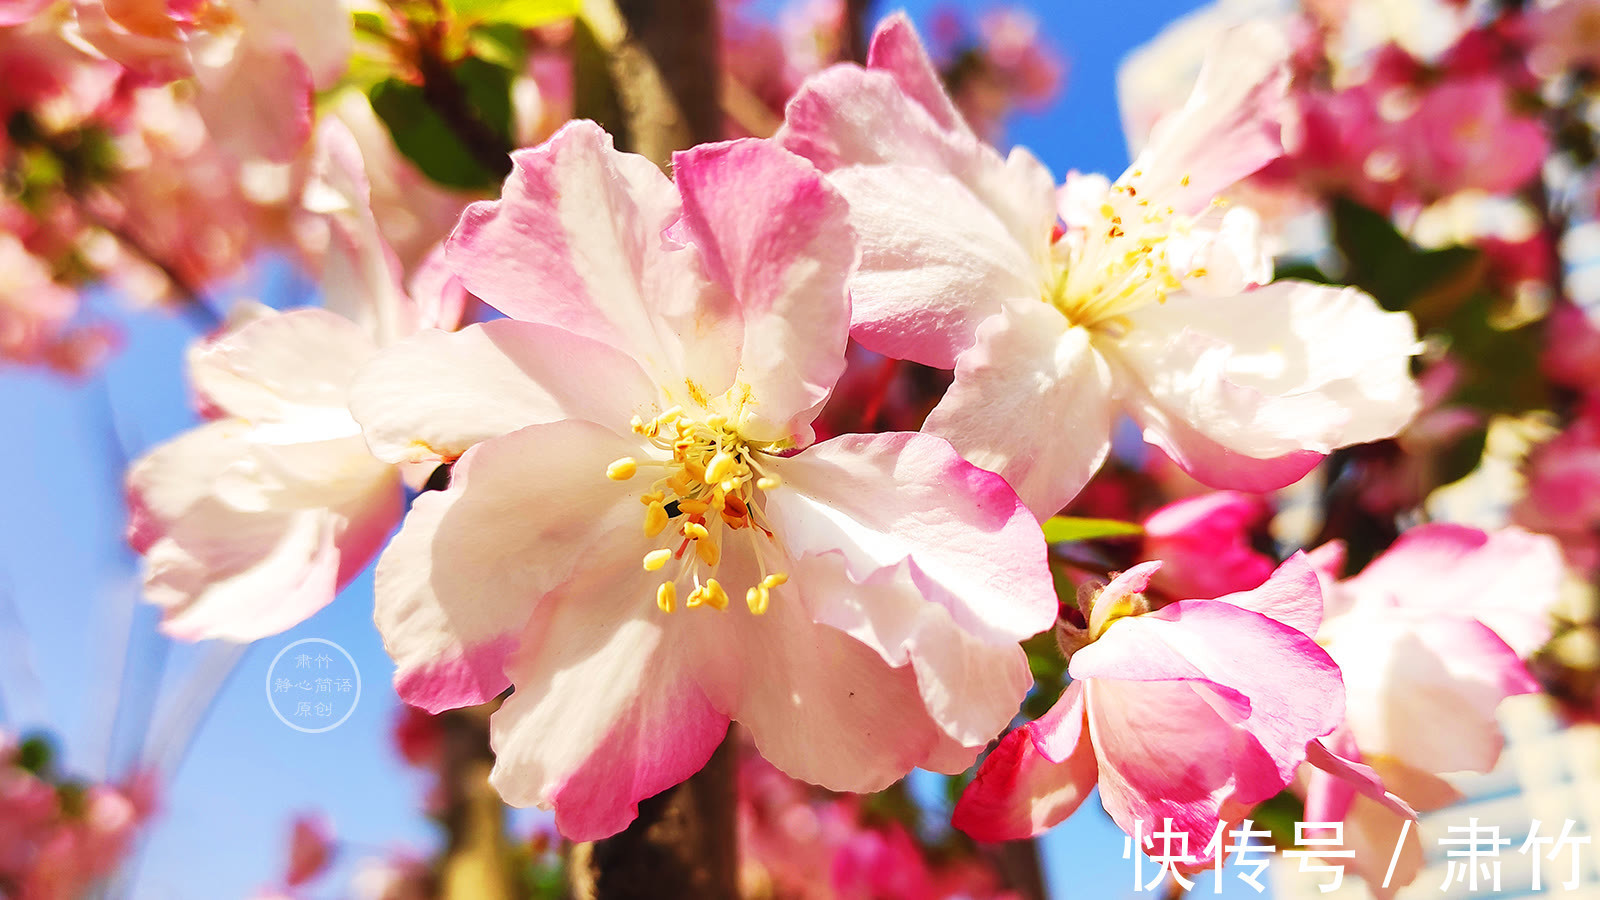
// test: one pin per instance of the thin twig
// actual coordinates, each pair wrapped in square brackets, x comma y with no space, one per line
[446,96]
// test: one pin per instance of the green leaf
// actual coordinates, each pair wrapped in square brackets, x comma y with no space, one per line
[1066,528]
[1430,284]
[371,23]
[423,137]
[521,13]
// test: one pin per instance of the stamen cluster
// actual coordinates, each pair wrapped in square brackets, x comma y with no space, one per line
[711,481]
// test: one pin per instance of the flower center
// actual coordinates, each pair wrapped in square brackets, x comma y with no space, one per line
[704,499]
[1118,262]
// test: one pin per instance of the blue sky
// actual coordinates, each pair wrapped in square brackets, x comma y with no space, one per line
[68,583]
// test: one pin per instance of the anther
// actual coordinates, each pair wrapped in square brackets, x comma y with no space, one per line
[708,551]
[655,519]
[769,483]
[694,531]
[667,596]
[722,466]
[655,559]
[622,469]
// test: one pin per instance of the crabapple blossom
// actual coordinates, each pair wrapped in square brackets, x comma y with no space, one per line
[1430,636]
[1195,712]
[1152,299]
[250,523]
[1204,544]
[639,534]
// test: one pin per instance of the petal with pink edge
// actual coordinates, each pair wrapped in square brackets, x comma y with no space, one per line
[1032,402]
[470,564]
[1293,688]
[883,498]
[1019,793]
[1228,128]
[786,254]
[577,240]
[935,263]
[606,711]
[257,103]
[1291,595]
[970,688]
[438,393]
[1509,579]
[1424,690]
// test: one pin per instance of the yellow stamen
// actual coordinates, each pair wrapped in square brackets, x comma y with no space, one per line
[715,596]
[667,596]
[769,483]
[708,551]
[655,519]
[757,599]
[655,559]
[722,466]
[694,531]
[622,469]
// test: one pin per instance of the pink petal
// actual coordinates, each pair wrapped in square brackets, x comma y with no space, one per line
[898,50]
[1292,686]
[1228,128]
[883,498]
[1509,580]
[1423,689]
[1354,775]
[440,298]
[970,688]
[577,241]
[773,233]
[936,262]
[606,711]
[448,602]
[1019,793]
[244,539]
[257,104]
[1032,402]
[1208,541]
[438,393]
[1293,596]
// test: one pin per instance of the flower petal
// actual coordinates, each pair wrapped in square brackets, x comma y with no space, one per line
[1244,388]
[577,241]
[438,393]
[245,539]
[1031,401]
[970,688]
[606,711]
[522,513]
[1291,595]
[292,368]
[785,254]
[883,498]
[1228,128]
[1018,792]
[1509,579]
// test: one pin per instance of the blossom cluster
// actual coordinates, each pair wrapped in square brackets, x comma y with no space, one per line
[1261,471]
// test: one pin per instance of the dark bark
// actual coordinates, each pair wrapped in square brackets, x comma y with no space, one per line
[683,845]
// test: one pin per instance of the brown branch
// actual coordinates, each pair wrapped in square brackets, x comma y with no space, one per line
[476,863]
[446,96]
[683,845]
[191,297]
[853,40]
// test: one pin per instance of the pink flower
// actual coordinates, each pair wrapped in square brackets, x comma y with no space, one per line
[1194,712]
[1140,304]
[1205,543]
[1563,488]
[255,63]
[250,524]
[1431,636]
[310,849]
[37,316]
[637,534]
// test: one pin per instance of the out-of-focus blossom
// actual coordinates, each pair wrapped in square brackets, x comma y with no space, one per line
[1193,712]
[1006,65]
[310,850]
[1143,302]
[58,839]
[37,317]
[1430,636]
[1564,34]
[1562,477]
[1401,480]
[255,64]
[795,842]
[250,524]
[1205,545]
[884,580]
